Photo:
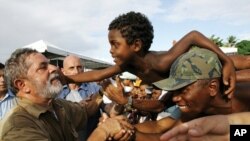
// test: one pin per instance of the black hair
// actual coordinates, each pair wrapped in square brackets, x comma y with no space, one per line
[1,66]
[134,26]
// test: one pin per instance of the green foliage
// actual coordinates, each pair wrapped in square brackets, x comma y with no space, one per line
[231,41]
[243,47]
[217,40]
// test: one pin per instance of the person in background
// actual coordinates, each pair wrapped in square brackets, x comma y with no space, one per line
[7,98]
[79,92]
[132,87]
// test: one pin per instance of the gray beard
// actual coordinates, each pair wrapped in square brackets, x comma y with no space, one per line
[49,91]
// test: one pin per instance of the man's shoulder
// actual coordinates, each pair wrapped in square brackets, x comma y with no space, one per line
[90,86]
[15,113]
[17,117]
[64,92]
[67,105]
[71,109]
[17,122]
[61,102]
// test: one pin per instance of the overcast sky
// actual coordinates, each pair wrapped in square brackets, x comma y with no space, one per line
[81,25]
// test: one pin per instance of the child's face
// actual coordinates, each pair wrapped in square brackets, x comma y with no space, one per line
[120,50]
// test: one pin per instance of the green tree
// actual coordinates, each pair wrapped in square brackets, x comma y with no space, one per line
[243,47]
[217,40]
[231,41]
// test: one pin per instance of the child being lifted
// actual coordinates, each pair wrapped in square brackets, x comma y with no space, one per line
[130,37]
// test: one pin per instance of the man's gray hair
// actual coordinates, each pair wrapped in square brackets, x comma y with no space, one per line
[16,67]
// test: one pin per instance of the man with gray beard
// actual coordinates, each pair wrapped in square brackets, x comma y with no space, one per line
[38,115]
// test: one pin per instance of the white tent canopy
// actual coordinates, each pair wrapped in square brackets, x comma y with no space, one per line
[42,46]
[55,53]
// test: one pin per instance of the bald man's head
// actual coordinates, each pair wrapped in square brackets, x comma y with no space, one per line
[72,65]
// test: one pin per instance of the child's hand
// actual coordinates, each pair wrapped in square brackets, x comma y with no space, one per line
[229,78]
[63,78]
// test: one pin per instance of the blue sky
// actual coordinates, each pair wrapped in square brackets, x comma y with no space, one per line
[81,25]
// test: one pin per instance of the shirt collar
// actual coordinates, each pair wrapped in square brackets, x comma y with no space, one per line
[8,94]
[83,86]
[65,87]
[32,108]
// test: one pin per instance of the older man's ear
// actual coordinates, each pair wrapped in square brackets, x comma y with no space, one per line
[21,86]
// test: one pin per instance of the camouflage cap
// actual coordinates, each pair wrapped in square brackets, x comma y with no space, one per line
[196,64]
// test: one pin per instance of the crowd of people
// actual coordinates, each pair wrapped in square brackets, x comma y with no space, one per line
[176,95]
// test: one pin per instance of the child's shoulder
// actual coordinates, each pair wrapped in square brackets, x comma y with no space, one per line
[156,52]
[155,55]
[155,59]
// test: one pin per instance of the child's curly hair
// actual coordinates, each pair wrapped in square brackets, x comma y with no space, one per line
[134,26]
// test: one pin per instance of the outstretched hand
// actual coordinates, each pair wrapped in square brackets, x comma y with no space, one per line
[229,79]
[214,128]
[62,77]
[116,93]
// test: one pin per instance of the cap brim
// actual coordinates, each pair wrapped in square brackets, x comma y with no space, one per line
[171,84]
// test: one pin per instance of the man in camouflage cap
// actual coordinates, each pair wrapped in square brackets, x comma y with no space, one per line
[196,85]
[196,64]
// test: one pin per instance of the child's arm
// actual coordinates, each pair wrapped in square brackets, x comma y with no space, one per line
[95,75]
[243,75]
[241,61]
[242,65]
[195,38]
